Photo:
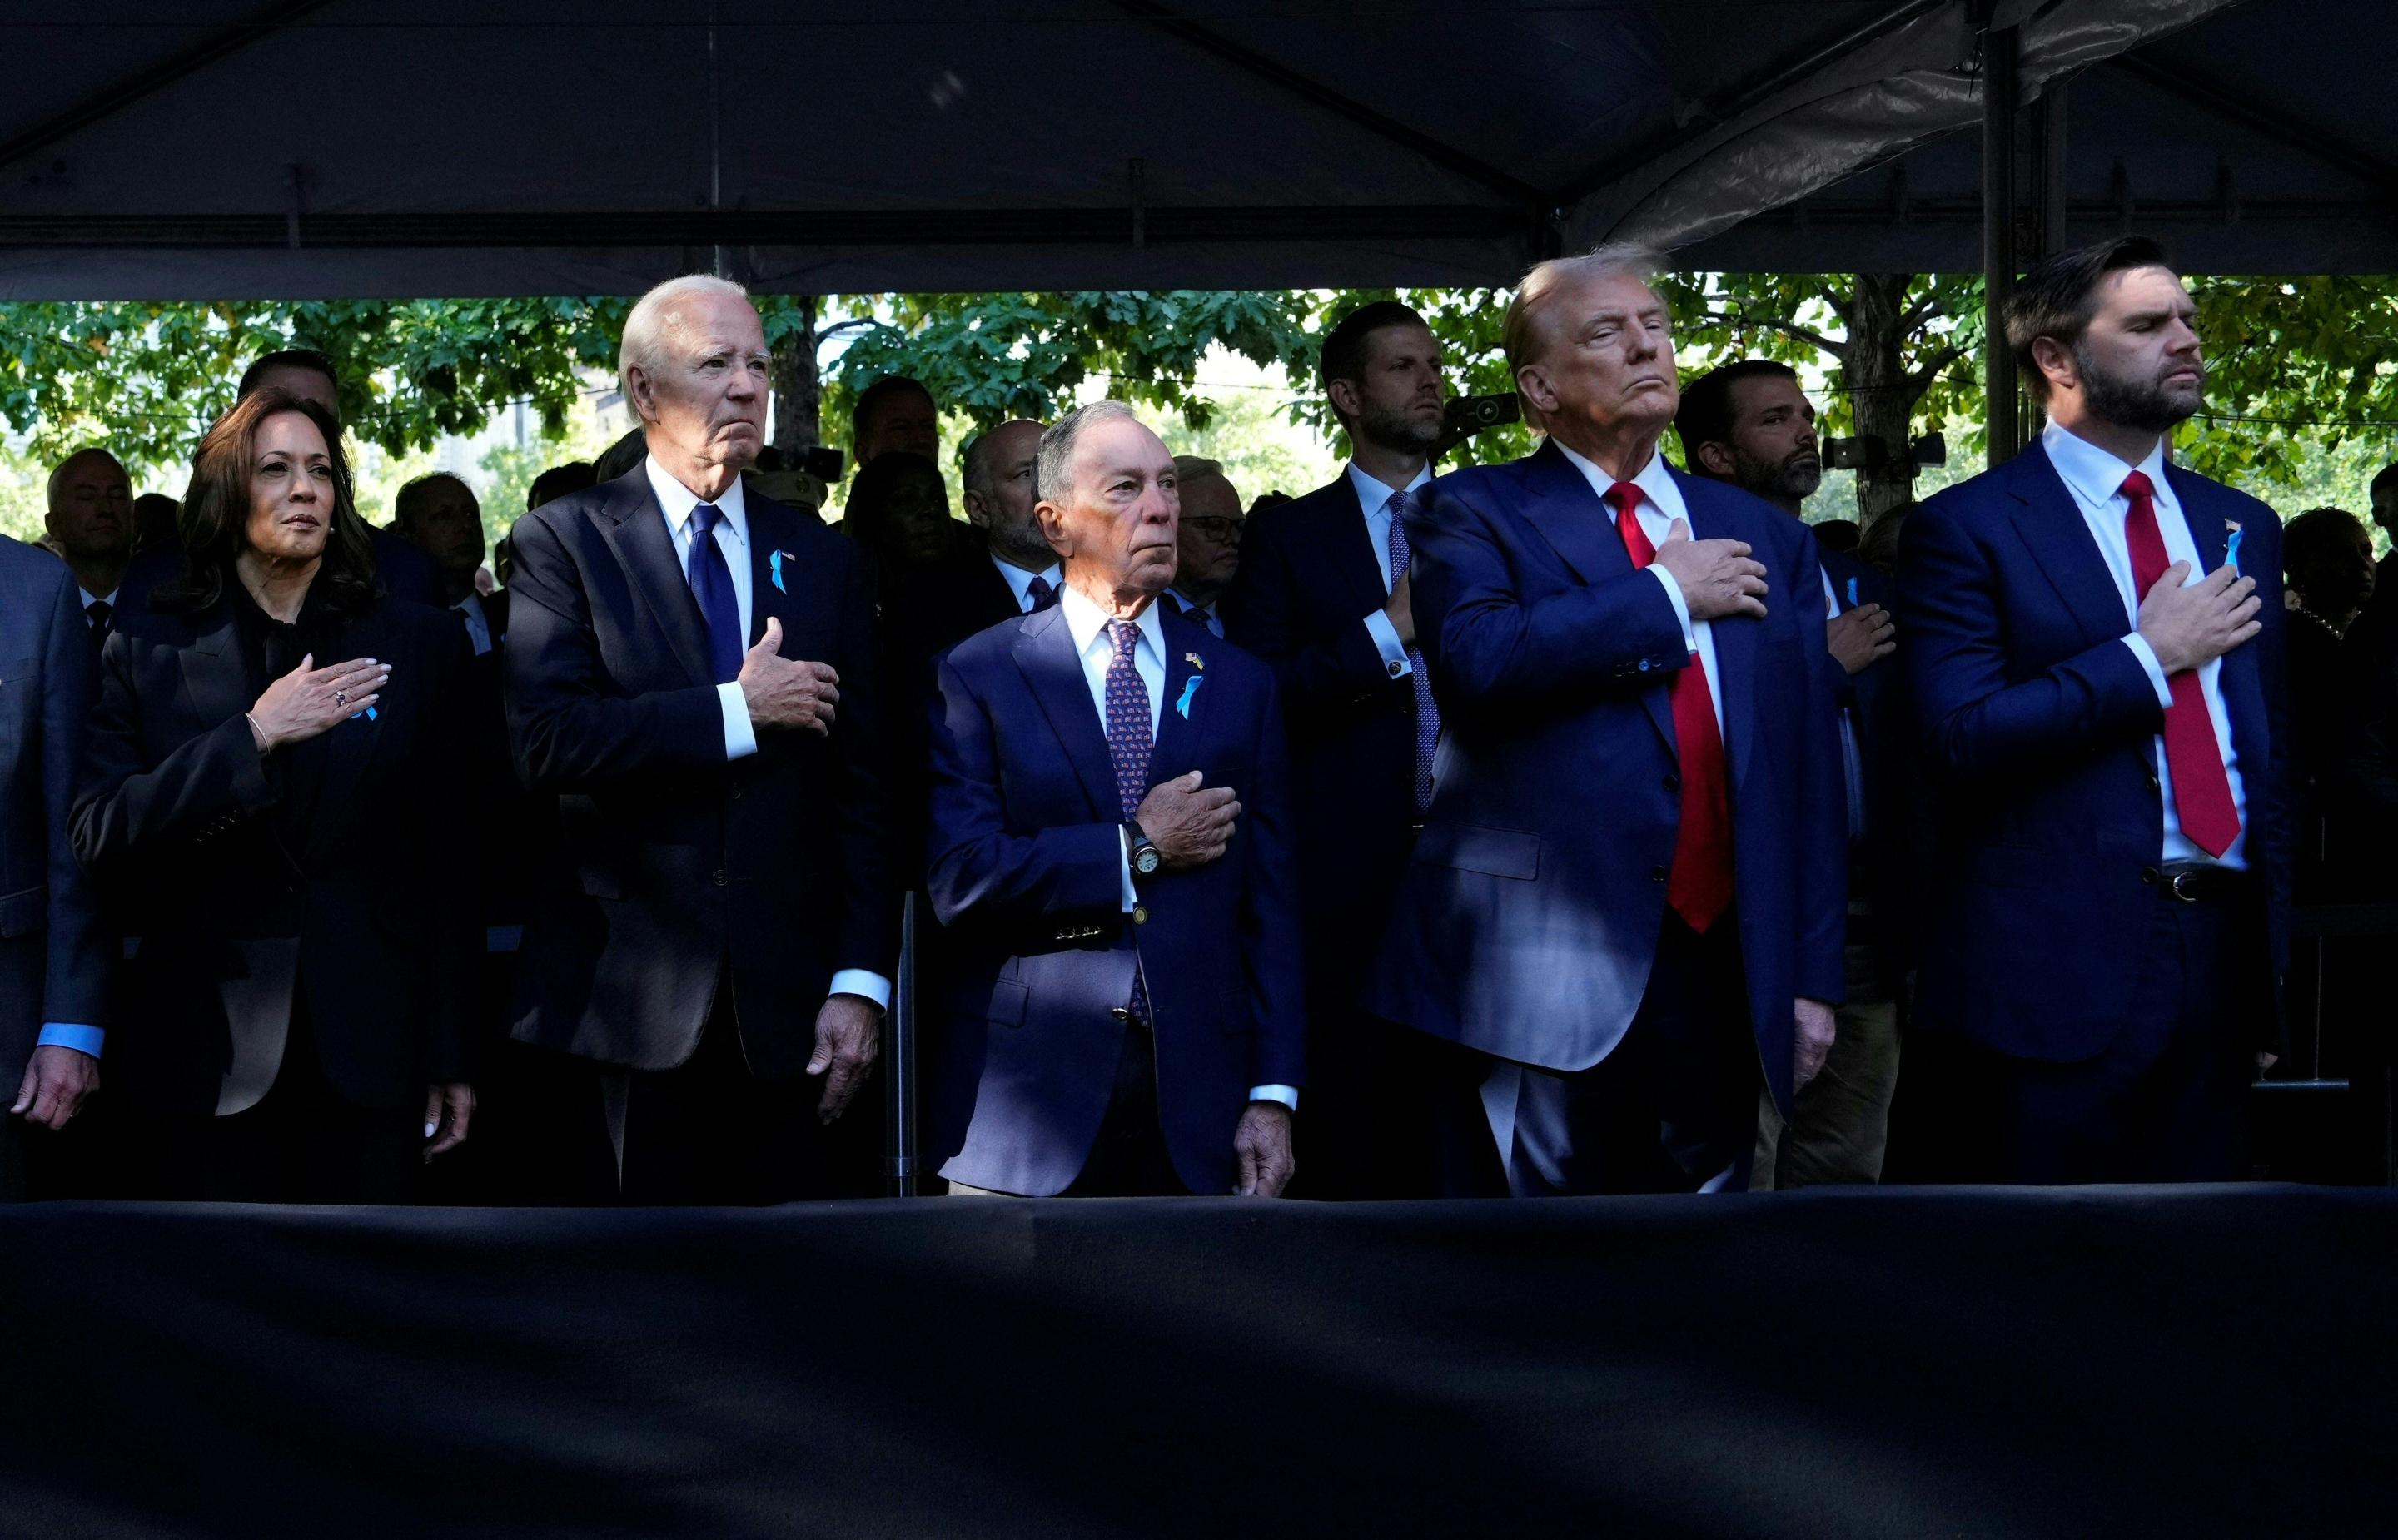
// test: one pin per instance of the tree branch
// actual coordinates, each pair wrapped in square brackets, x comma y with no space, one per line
[1788,328]
[1921,379]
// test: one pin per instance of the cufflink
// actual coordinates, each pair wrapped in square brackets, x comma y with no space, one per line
[1394,670]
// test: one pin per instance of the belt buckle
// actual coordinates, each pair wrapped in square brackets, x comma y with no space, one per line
[2186,895]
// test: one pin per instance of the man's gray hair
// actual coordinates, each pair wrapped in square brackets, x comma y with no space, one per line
[1614,259]
[1189,468]
[1054,471]
[656,317]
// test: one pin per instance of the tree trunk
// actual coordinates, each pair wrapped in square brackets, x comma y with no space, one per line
[1882,395]
[799,391]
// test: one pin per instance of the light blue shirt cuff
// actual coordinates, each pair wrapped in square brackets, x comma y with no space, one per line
[83,1040]
[740,737]
[1285,1094]
[2148,664]
[865,986]
[1386,642]
[1681,607]
[1124,859]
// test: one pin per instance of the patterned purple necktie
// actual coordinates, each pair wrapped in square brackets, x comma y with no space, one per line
[1427,714]
[1129,743]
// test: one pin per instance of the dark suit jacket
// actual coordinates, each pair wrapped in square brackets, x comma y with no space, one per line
[923,615]
[1894,797]
[1307,581]
[1027,872]
[53,956]
[2038,721]
[364,912]
[1531,911]
[674,865]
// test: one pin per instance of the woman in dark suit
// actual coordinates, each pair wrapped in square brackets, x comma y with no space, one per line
[275,796]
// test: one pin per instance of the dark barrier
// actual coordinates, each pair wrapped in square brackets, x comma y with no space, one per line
[1969,1362]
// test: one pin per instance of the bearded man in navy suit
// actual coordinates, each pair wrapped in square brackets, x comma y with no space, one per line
[1111,853]
[2095,637]
[1627,903]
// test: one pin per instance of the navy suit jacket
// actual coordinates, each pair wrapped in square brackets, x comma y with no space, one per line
[674,864]
[1895,796]
[53,956]
[1532,908]
[2039,723]
[1027,874]
[1307,581]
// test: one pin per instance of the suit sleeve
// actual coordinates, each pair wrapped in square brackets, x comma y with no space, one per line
[570,726]
[1823,913]
[455,939]
[127,807]
[979,872]
[869,924]
[1487,646]
[1975,721]
[1269,922]
[1266,612]
[74,980]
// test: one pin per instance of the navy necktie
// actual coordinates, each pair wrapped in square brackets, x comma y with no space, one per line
[711,584]
[1420,677]
[1039,596]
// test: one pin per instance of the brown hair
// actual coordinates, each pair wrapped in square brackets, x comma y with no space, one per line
[2058,298]
[214,520]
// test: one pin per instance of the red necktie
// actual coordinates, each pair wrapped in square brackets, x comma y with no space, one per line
[2201,791]
[1699,886]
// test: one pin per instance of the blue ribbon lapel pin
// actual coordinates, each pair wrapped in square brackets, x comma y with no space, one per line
[1190,686]
[774,569]
[2231,546]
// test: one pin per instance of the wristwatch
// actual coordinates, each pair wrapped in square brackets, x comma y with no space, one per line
[1144,855]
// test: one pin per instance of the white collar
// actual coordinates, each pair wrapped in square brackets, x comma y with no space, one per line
[1018,581]
[1373,496]
[1187,602]
[1085,620]
[475,601]
[2094,474]
[677,501]
[90,598]
[1654,480]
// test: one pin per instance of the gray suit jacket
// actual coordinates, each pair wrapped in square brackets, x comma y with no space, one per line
[53,956]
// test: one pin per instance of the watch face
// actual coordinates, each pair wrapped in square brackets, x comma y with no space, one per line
[1146,863]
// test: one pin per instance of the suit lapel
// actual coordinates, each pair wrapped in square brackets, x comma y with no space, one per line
[1045,653]
[636,530]
[213,678]
[2243,690]
[1581,530]
[2062,547]
[1736,638]
[769,533]
[1180,731]
[1357,567]
[350,744]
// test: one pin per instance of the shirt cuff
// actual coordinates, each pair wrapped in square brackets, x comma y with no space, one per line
[740,737]
[2148,664]
[1284,1094]
[865,986]
[1123,855]
[1386,642]
[83,1040]
[1681,607]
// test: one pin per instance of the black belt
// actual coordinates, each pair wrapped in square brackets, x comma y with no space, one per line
[2200,882]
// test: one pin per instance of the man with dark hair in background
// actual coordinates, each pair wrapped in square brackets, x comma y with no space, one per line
[894,413]
[440,515]
[1206,538]
[1749,424]
[2097,641]
[91,519]
[154,520]
[1323,595]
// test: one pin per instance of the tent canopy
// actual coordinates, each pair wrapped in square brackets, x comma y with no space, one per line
[328,148]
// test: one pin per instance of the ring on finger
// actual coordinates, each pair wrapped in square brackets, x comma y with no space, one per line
[341,697]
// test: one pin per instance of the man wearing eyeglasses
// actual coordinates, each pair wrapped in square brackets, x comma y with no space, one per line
[1208,541]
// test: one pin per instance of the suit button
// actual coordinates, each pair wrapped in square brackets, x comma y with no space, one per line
[1141,914]
[2153,782]
[1644,665]
[721,877]
[1122,1012]
[1656,873]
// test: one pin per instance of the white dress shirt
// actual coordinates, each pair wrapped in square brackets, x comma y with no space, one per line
[1087,625]
[1661,504]
[1020,582]
[1375,499]
[479,625]
[2095,479]
[732,536]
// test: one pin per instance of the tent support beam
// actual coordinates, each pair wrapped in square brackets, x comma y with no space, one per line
[1249,62]
[119,95]
[2002,101]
